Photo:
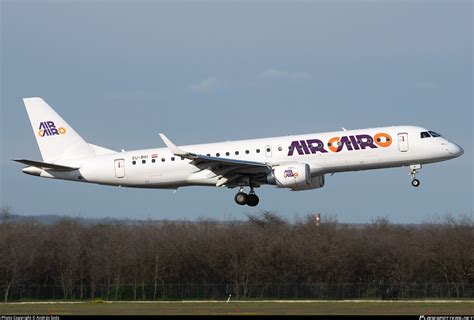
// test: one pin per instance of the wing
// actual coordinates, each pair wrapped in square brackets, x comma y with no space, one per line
[229,169]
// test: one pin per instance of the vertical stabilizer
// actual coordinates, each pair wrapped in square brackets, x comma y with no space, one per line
[56,139]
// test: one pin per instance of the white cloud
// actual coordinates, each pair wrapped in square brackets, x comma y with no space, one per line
[300,76]
[131,95]
[205,86]
[273,74]
[426,85]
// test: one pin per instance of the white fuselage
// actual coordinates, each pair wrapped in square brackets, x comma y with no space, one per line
[160,168]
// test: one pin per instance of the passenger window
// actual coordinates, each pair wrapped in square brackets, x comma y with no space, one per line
[134,162]
[425,134]
[162,159]
[268,150]
[227,154]
[236,153]
[172,158]
[280,148]
[247,152]
[258,150]
[153,160]
[218,154]
[143,161]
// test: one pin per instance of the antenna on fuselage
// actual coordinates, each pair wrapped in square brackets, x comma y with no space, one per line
[344,129]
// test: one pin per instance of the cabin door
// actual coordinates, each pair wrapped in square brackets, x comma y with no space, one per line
[403,142]
[120,168]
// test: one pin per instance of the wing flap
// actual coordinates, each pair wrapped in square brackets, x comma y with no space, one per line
[198,159]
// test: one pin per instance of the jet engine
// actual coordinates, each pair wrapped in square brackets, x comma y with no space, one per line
[296,176]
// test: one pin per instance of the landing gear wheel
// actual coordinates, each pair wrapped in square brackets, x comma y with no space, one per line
[241,198]
[252,200]
[413,171]
[415,182]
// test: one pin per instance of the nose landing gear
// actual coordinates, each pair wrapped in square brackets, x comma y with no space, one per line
[251,199]
[415,182]
[413,171]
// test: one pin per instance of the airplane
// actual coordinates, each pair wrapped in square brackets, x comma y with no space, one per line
[297,162]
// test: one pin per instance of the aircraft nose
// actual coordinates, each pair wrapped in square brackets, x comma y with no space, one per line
[455,150]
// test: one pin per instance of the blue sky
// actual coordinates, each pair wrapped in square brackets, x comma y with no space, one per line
[120,72]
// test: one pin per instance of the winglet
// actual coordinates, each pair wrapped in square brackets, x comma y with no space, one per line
[173,148]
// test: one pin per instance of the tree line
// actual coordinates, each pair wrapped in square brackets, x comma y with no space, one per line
[263,257]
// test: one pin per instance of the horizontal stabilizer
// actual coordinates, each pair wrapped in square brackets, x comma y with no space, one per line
[44,165]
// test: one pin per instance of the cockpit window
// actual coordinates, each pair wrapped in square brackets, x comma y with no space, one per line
[434,134]
[425,134]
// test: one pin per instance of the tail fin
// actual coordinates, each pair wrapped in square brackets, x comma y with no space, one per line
[56,139]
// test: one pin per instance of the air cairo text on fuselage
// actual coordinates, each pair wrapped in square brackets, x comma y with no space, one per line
[337,144]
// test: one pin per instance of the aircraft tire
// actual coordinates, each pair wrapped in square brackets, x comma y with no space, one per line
[252,200]
[241,198]
[415,183]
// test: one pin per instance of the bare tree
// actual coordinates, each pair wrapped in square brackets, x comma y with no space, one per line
[65,250]
[205,258]
[20,244]
[5,215]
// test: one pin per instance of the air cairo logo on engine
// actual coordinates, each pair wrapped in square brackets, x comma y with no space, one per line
[48,128]
[336,144]
[290,174]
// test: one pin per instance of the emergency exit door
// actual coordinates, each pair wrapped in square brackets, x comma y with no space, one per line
[120,168]
[403,142]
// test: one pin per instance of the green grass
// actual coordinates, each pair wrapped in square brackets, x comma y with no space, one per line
[243,308]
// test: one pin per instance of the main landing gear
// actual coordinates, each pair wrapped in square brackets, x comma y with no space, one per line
[413,170]
[250,199]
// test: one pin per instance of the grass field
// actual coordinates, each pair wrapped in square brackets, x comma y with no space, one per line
[241,308]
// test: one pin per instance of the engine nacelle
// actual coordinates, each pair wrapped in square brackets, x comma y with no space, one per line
[316,182]
[296,176]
